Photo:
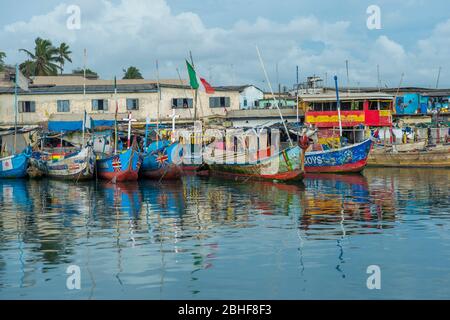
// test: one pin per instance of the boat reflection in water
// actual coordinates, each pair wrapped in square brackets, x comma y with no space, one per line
[212,238]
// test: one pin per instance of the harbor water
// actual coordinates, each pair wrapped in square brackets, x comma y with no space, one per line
[203,238]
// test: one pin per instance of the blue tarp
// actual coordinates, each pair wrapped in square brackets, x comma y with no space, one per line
[58,126]
[102,123]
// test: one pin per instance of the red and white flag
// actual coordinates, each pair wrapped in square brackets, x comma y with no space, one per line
[208,88]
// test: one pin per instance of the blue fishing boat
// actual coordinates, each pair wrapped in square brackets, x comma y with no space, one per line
[15,166]
[123,166]
[162,160]
[348,159]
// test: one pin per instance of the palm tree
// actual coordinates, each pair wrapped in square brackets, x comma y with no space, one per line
[43,62]
[63,55]
[132,73]
[28,68]
[2,57]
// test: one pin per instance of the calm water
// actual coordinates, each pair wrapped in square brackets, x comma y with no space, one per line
[212,239]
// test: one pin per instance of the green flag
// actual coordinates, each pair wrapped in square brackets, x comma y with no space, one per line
[192,76]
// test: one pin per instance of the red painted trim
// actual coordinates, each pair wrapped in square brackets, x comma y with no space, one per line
[346,168]
[285,176]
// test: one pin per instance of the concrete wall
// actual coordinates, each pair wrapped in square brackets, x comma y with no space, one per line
[46,105]
[251,94]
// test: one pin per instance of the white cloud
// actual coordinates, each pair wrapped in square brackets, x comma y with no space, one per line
[137,32]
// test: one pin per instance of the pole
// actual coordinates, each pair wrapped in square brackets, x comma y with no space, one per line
[129,130]
[348,78]
[15,108]
[438,77]
[378,78]
[196,90]
[273,96]
[159,101]
[84,94]
[338,105]
[146,132]
[115,116]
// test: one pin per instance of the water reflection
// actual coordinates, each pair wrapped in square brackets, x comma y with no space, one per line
[171,238]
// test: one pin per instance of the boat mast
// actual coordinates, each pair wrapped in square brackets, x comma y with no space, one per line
[115,115]
[196,90]
[338,103]
[159,101]
[273,96]
[15,107]
[84,96]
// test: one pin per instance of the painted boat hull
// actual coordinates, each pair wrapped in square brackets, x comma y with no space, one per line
[435,157]
[78,166]
[349,159]
[121,167]
[284,166]
[14,166]
[159,161]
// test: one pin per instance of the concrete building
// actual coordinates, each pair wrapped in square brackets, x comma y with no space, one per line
[61,96]
[249,95]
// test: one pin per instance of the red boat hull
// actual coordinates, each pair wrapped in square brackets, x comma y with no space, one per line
[346,168]
[171,172]
[126,175]
[285,176]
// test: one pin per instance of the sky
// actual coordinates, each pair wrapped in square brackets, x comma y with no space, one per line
[412,38]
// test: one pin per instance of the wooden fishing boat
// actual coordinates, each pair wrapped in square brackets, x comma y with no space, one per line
[15,166]
[285,165]
[162,160]
[76,165]
[429,157]
[123,166]
[343,160]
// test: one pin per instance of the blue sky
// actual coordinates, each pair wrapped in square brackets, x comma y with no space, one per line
[319,36]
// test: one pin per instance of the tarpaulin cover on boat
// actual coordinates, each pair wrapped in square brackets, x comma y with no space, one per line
[58,126]
[102,123]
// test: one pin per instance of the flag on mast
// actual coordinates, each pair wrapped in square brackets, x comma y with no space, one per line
[194,80]
[208,88]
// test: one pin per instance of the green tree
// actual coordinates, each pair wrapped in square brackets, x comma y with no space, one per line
[43,62]
[2,58]
[132,73]
[89,72]
[63,55]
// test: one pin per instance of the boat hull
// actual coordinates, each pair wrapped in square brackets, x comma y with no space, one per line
[159,161]
[121,167]
[284,166]
[14,166]
[433,158]
[351,159]
[76,167]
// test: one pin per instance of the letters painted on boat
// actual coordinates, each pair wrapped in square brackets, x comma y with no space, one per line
[348,159]
[162,160]
[123,166]
[15,166]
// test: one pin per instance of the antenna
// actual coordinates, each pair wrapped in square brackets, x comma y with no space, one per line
[378,77]
[348,78]
[438,77]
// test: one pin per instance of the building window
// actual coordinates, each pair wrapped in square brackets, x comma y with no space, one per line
[132,104]
[245,102]
[63,105]
[182,103]
[27,106]
[99,105]
[219,102]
